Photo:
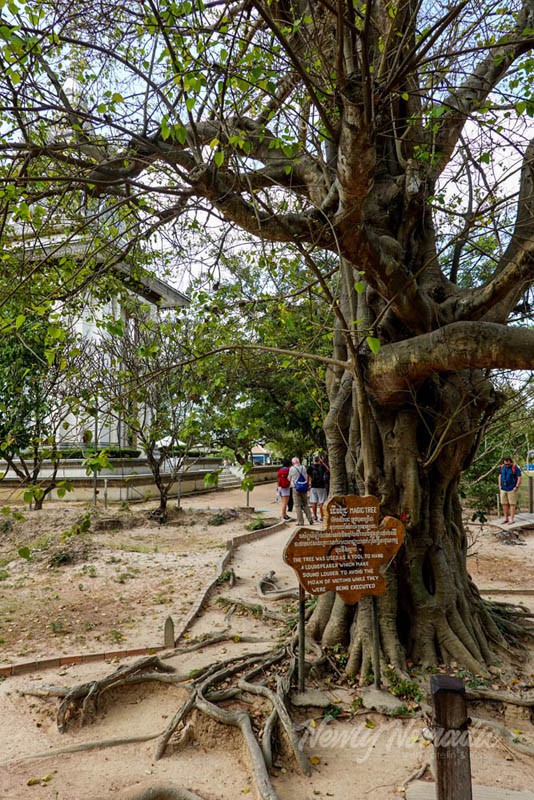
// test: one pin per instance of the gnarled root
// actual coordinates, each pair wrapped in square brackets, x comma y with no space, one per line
[266,589]
[204,698]
[83,700]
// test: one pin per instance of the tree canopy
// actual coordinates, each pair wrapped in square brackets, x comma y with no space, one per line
[367,132]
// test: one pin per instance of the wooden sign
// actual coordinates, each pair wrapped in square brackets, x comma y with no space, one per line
[351,554]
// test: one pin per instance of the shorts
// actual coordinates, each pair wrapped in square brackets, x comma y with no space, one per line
[317,495]
[283,492]
[508,498]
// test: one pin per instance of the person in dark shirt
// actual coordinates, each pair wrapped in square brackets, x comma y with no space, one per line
[318,492]
[509,483]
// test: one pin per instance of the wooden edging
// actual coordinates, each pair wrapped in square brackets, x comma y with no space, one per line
[231,547]
[63,661]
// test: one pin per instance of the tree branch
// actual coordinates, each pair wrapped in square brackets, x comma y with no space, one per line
[515,270]
[461,345]
[484,78]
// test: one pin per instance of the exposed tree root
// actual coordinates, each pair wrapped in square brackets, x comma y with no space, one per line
[280,708]
[208,640]
[142,677]
[509,739]
[82,700]
[500,697]
[44,691]
[87,747]
[418,773]
[257,610]
[205,682]
[205,698]
[234,679]
[266,589]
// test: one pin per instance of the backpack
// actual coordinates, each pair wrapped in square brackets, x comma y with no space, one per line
[283,480]
[301,484]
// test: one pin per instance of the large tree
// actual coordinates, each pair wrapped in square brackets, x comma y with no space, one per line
[393,135]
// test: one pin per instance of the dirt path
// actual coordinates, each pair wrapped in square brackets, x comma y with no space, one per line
[366,755]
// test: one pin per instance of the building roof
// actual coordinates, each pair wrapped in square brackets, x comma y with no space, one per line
[152,288]
[58,243]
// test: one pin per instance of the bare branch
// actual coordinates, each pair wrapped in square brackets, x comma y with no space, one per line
[485,76]
[515,270]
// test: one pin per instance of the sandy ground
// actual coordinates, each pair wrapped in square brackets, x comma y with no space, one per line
[116,593]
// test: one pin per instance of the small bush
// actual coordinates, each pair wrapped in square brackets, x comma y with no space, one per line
[404,688]
[60,558]
[255,525]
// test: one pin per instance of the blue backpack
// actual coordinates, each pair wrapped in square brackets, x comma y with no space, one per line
[301,484]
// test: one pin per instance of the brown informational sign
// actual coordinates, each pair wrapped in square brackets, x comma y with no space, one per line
[350,555]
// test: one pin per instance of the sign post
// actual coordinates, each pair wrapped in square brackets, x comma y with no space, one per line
[350,556]
[302,639]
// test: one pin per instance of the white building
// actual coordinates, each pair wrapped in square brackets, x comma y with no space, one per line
[40,251]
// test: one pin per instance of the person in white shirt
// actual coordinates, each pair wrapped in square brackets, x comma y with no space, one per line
[297,471]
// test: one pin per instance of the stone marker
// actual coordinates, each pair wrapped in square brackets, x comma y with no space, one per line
[312,697]
[377,700]
[352,552]
[168,633]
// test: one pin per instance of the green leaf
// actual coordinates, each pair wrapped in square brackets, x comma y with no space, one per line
[180,134]
[165,129]
[219,158]
[373,343]
[25,552]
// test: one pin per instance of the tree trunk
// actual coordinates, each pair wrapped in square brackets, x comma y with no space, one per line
[410,454]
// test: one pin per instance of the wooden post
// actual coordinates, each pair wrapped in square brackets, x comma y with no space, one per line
[451,739]
[302,639]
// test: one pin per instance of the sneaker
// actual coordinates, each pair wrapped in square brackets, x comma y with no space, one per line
[286,518]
